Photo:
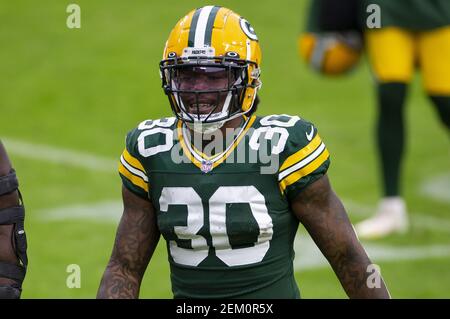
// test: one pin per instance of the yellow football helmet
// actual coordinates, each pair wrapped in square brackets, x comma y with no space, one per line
[213,37]
[331,53]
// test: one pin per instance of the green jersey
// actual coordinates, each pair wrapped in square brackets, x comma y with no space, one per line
[416,15]
[226,218]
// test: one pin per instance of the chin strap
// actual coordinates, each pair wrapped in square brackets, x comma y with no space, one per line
[13,216]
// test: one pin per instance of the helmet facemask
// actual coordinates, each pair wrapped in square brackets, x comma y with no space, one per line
[205,92]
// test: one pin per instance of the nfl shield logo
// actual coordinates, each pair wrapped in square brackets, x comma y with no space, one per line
[206,166]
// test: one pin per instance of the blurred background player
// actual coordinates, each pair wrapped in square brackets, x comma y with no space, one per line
[13,258]
[413,34]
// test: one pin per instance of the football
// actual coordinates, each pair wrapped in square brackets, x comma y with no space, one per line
[331,53]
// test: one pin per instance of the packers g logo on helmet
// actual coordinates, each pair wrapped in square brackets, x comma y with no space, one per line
[213,37]
[331,53]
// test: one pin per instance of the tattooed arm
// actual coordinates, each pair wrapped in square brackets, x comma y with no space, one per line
[136,240]
[324,217]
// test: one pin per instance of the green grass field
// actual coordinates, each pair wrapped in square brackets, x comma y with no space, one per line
[80,90]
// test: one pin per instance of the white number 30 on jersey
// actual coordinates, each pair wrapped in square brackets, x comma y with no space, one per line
[217,224]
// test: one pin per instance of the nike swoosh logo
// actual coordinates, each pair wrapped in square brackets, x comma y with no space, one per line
[310,135]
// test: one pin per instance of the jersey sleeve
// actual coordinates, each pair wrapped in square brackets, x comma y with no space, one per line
[131,170]
[304,160]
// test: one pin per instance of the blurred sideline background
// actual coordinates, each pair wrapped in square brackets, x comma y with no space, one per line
[69,96]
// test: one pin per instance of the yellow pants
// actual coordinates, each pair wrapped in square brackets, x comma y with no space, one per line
[394,53]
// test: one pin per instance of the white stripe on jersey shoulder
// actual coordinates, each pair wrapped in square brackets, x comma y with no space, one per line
[133,170]
[302,163]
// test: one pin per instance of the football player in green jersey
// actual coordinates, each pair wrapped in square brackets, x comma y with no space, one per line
[228,217]
[413,34]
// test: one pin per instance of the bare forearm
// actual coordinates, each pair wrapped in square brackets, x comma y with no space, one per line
[324,216]
[338,242]
[118,283]
[351,265]
[136,240]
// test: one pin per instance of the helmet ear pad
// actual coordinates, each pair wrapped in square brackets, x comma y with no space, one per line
[250,93]
[249,98]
